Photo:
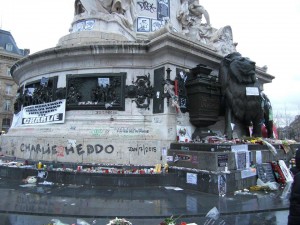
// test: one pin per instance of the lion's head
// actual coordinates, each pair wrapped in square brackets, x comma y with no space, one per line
[241,68]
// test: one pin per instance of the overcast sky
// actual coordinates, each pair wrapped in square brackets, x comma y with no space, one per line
[267,31]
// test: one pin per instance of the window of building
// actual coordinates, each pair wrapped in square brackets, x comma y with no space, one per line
[7,105]
[5,125]
[8,89]
[9,47]
[6,122]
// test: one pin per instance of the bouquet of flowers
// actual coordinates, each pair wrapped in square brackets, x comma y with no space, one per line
[172,221]
[118,221]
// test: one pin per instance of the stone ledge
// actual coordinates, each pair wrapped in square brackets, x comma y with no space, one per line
[207,181]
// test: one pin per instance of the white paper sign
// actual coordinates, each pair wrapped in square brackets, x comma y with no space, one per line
[252,91]
[248,173]
[236,148]
[103,81]
[191,178]
[242,158]
[258,157]
[164,151]
[47,113]
[286,172]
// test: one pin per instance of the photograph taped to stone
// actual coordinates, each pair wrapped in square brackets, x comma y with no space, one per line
[191,178]
[222,184]
[143,24]
[89,24]
[163,9]
[156,25]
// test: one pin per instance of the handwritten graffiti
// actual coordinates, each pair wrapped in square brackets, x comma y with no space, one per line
[94,112]
[142,149]
[145,5]
[99,132]
[99,148]
[60,151]
[132,130]
[105,112]
[157,120]
[73,128]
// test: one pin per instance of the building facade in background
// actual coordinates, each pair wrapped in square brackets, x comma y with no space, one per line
[9,54]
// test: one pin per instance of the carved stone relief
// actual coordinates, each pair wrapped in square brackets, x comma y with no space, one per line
[190,16]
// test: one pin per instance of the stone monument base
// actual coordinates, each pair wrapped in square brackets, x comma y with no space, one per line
[208,182]
[208,168]
[219,168]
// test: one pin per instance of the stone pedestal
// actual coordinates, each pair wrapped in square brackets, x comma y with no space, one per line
[212,166]
[113,77]
[135,127]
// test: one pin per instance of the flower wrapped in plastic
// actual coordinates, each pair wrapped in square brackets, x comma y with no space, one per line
[118,221]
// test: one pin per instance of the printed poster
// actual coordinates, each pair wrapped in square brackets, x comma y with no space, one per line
[242,158]
[222,186]
[47,113]
[184,133]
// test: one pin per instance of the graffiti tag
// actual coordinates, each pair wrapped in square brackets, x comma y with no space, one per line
[61,150]
[142,149]
[146,6]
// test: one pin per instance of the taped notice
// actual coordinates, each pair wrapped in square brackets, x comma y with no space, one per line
[252,91]
[191,178]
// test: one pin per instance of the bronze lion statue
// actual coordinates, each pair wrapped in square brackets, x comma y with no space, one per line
[241,96]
